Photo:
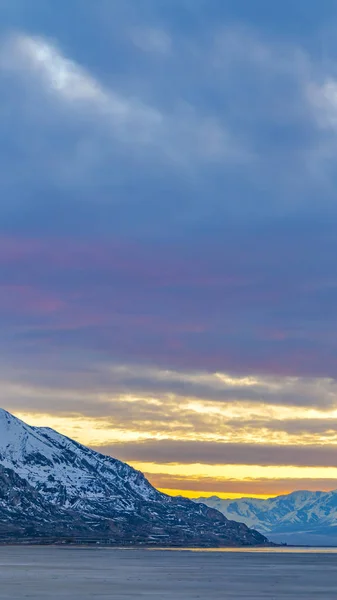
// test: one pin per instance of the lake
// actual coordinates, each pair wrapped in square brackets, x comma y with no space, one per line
[102,573]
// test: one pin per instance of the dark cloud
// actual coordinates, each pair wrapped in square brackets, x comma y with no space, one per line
[188,452]
[133,303]
[299,426]
[80,384]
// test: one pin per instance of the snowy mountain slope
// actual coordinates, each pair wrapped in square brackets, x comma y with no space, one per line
[23,511]
[293,516]
[66,472]
[51,485]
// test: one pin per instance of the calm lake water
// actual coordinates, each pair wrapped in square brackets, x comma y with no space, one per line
[233,574]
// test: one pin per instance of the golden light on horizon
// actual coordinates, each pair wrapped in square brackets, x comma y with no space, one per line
[238,472]
[222,495]
[157,419]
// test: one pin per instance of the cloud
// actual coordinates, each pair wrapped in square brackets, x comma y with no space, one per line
[191,139]
[324,100]
[59,74]
[151,40]
[259,307]
[182,136]
[297,427]
[69,82]
[25,300]
[215,453]
[108,404]
[217,390]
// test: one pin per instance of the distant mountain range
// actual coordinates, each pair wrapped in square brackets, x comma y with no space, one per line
[52,488]
[298,518]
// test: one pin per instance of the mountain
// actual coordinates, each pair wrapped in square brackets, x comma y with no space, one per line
[53,488]
[298,518]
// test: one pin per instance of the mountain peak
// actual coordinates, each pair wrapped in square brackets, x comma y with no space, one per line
[5,416]
[10,422]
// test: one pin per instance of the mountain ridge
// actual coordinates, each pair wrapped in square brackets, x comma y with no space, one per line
[52,486]
[299,517]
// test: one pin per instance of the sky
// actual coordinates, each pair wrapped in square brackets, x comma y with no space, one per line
[168,235]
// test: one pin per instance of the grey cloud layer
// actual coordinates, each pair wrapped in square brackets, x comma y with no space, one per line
[101,383]
[198,116]
[215,453]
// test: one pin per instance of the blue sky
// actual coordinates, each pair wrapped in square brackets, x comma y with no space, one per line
[167,221]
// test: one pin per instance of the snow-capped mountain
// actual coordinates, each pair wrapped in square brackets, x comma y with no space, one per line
[51,486]
[300,517]
[66,473]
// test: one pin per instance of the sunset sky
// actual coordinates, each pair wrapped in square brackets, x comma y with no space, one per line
[168,235]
